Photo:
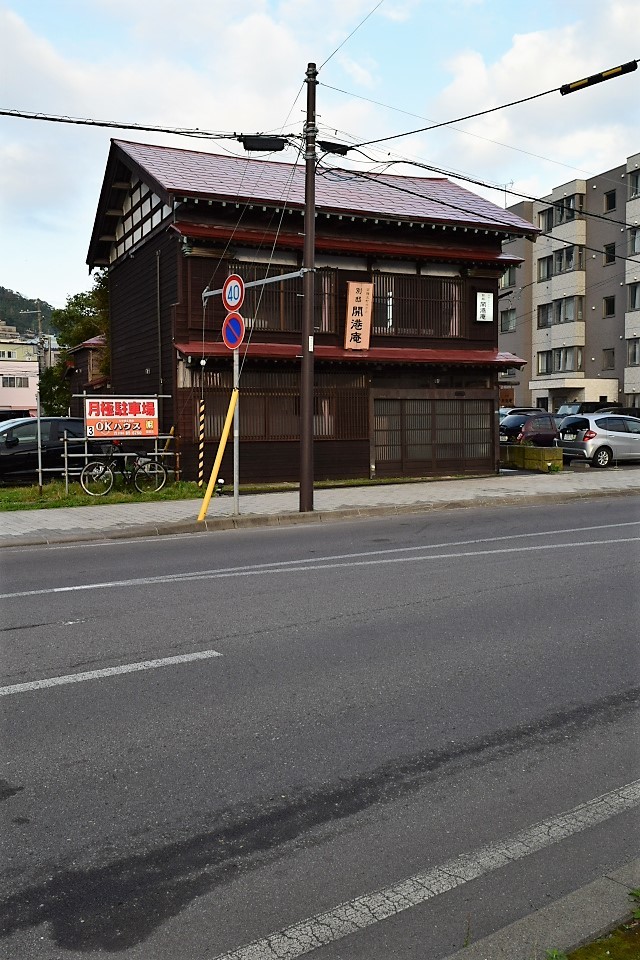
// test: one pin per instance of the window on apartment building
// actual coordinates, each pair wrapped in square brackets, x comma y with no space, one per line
[545,219]
[544,361]
[609,201]
[609,253]
[567,310]
[508,278]
[545,268]
[15,381]
[634,183]
[545,315]
[507,320]
[567,258]
[633,352]
[634,296]
[8,354]
[608,306]
[567,359]
[608,359]
[634,241]
[566,209]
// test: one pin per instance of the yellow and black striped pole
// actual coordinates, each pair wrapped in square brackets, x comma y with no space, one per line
[201,445]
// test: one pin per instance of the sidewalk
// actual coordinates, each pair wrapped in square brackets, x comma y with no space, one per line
[99,522]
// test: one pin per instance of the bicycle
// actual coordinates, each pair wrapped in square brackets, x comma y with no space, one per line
[146,474]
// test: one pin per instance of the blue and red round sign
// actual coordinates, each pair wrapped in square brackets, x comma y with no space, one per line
[233,330]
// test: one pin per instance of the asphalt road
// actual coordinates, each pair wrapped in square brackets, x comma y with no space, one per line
[317,714]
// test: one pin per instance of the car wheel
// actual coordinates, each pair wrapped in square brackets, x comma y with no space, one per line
[603,457]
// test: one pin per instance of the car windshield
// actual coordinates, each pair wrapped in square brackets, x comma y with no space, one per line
[514,420]
[567,409]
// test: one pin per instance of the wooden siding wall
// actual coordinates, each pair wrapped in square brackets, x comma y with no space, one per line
[410,309]
[134,322]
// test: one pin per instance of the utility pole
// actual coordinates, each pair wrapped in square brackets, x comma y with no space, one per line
[308,264]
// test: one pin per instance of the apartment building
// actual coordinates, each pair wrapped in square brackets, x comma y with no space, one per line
[572,308]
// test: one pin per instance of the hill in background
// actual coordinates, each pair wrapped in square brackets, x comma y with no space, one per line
[11,303]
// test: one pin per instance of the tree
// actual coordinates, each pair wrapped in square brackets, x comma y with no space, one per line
[86,315]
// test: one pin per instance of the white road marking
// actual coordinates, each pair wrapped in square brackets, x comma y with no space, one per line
[297,566]
[354,915]
[107,672]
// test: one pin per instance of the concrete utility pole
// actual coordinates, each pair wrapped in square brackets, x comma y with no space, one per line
[306,380]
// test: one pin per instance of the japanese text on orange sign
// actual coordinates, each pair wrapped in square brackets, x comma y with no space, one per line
[121,418]
[357,328]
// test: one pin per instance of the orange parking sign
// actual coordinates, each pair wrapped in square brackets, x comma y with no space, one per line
[120,417]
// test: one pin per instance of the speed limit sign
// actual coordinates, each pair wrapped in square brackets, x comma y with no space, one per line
[233,293]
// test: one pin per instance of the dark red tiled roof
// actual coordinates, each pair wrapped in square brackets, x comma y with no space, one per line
[289,351]
[190,173]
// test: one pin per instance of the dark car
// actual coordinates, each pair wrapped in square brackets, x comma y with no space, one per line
[19,446]
[539,429]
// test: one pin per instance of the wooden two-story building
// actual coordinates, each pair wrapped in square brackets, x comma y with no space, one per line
[421,400]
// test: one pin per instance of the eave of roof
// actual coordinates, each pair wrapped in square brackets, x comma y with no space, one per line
[289,351]
[423,248]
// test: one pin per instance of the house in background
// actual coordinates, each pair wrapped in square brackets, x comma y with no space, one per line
[19,373]
[572,308]
[419,401]
[84,372]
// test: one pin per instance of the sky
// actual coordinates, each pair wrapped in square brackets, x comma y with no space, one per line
[215,65]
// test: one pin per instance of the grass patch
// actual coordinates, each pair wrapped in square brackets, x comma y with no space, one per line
[621,944]
[54,494]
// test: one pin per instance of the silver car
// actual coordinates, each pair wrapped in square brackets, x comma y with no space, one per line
[600,438]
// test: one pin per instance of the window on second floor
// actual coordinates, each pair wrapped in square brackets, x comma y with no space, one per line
[15,381]
[609,201]
[609,253]
[633,352]
[544,361]
[608,359]
[8,355]
[567,359]
[634,296]
[507,320]
[608,306]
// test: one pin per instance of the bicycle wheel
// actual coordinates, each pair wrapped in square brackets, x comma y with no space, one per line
[96,479]
[150,477]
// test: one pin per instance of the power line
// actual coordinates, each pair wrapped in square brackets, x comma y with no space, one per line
[467,133]
[115,124]
[489,186]
[350,174]
[447,123]
[371,12]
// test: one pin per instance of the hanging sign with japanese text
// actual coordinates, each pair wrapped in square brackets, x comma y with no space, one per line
[484,307]
[357,328]
[120,417]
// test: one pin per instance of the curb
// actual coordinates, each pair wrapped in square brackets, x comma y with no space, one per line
[170,527]
[569,923]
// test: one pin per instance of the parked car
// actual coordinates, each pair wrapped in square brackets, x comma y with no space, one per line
[19,446]
[507,411]
[537,428]
[600,438]
[585,406]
